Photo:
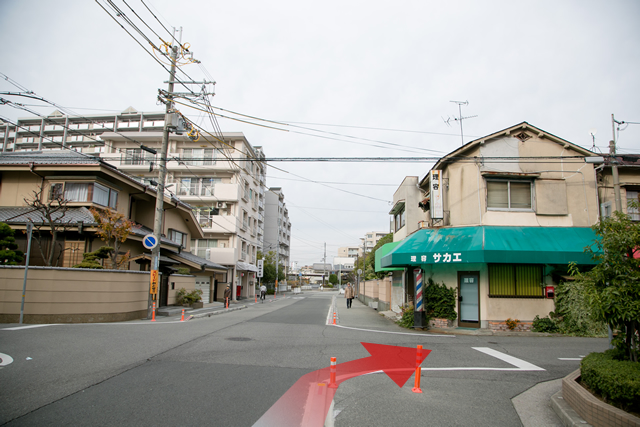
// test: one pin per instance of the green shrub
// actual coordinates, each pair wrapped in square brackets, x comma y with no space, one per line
[440,301]
[184,270]
[617,382]
[407,317]
[185,297]
[546,324]
[574,311]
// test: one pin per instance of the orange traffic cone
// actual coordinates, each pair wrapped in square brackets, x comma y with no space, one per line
[416,386]
[182,320]
[153,313]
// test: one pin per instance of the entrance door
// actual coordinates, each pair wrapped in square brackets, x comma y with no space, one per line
[468,299]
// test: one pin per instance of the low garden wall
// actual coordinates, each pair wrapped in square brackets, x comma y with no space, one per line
[591,409]
[372,291]
[70,295]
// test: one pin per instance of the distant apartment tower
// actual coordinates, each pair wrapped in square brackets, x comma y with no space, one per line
[222,177]
[350,251]
[371,239]
[277,227]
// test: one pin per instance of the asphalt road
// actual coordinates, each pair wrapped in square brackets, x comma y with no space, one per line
[229,369]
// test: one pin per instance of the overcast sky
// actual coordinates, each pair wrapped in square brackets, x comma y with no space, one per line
[343,67]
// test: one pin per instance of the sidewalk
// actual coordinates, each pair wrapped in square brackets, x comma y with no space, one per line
[534,406]
[209,309]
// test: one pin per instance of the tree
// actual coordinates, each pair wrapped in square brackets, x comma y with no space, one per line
[113,229]
[269,268]
[91,259]
[333,279]
[50,224]
[9,253]
[613,285]
[368,264]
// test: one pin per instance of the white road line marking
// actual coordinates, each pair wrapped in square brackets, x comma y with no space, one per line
[519,363]
[6,359]
[569,358]
[17,328]
[397,333]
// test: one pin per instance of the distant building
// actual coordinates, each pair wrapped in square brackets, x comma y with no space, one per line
[350,251]
[277,228]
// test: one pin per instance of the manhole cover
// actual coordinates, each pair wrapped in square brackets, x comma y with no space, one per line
[239,339]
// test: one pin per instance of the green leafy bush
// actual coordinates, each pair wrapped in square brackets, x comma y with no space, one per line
[546,324]
[91,259]
[617,382]
[184,270]
[185,297]
[440,301]
[574,311]
[407,317]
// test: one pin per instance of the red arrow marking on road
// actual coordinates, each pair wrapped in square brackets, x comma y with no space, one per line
[307,402]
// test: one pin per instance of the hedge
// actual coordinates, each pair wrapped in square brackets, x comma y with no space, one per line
[617,382]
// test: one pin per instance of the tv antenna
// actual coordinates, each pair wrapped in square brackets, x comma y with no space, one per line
[459,118]
[593,132]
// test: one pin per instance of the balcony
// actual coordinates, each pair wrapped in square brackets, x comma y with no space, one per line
[223,255]
[217,223]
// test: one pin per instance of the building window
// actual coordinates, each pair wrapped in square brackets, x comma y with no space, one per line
[85,192]
[633,211]
[399,219]
[199,156]
[178,237]
[199,247]
[509,195]
[515,281]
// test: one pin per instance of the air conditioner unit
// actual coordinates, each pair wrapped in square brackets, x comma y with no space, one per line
[222,205]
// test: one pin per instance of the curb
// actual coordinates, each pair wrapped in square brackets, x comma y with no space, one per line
[214,313]
[565,412]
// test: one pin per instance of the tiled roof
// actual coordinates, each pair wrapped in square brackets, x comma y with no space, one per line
[196,259]
[62,157]
[22,214]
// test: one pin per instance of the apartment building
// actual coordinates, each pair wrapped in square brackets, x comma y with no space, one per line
[501,218]
[349,251]
[85,182]
[277,227]
[222,177]
[371,239]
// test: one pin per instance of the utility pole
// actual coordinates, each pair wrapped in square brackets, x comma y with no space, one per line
[277,255]
[614,166]
[324,264]
[162,172]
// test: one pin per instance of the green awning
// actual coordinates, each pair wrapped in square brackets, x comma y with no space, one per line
[493,244]
[382,251]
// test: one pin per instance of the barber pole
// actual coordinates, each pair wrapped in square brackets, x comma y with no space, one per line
[419,281]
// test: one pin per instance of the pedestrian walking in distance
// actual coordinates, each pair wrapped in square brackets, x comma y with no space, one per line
[263,292]
[348,294]
[227,296]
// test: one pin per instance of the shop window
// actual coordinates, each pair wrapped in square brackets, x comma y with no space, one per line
[509,195]
[515,281]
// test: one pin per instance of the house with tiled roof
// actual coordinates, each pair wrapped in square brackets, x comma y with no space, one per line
[500,219]
[85,182]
